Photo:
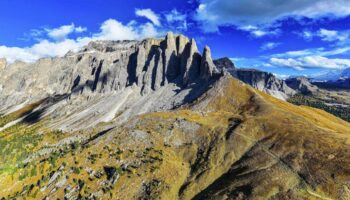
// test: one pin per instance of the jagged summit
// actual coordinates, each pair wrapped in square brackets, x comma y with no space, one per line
[150,63]
[130,71]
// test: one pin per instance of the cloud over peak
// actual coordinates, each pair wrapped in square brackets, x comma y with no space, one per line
[62,32]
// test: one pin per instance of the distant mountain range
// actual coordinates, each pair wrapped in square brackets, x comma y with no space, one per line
[332,75]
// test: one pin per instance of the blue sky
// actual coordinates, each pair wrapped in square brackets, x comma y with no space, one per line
[295,37]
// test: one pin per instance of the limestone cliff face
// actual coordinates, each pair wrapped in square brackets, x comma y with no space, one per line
[138,76]
[109,66]
[207,67]
[266,82]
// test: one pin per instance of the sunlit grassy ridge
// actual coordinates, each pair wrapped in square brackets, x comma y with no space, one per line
[232,142]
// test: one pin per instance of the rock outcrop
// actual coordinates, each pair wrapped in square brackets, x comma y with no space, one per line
[207,67]
[129,72]
[260,80]
[301,85]
[266,82]
[226,64]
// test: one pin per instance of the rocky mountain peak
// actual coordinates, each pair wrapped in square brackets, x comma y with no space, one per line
[165,66]
[225,62]
[207,67]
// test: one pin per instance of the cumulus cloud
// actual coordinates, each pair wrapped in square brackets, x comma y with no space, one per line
[217,13]
[269,46]
[311,62]
[62,32]
[58,43]
[42,49]
[149,14]
[114,30]
[310,58]
[340,37]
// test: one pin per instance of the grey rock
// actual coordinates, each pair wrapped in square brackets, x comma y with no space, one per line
[170,58]
[207,67]
[181,42]
[159,70]
[265,82]
[226,64]
[260,80]
[190,62]
[301,85]
[106,80]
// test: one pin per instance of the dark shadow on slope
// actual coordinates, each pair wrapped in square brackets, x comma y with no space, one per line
[197,89]
[36,114]
[222,185]
[33,117]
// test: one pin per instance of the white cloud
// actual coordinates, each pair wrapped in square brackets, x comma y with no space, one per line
[175,15]
[62,32]
[314,51]
[111,29]
[307,35]
[80,29]
[332,35]
[217,13]
[339,37]
[177,20]
[282,76]
[114,30]
[149,14]
[258,32]
[311,62]
[42,49]
[269,46]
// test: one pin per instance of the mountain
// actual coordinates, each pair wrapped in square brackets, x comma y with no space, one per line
[226,64]
[145,76]
[301,85]
[155,119]
[332,75]
[260,80]
[345,74]
[334,79]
